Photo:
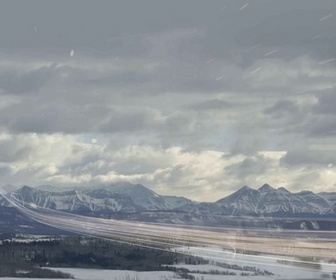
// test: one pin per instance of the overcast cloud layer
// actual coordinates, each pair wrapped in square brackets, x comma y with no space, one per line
[193,98]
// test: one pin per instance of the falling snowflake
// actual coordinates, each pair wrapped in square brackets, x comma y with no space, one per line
[271,52]
[326,61]
[255,70]
[326,17]
[244,6]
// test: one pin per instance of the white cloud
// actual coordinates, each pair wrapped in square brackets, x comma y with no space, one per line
[202,175]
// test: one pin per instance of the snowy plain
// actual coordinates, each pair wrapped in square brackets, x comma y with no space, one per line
[281,267]
[217,258]
[220,261]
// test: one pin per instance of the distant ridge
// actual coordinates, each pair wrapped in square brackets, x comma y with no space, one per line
[268,200]
[265,207]
[127,197]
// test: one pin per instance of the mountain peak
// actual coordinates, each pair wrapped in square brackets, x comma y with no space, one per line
[282,189]
[245,188]
[26,188]
[305,192]
[265,188]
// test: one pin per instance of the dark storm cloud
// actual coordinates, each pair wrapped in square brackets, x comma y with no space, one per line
[32,116]
[13,150]
[224,81]
[322,122]
[250,166]
[117,79]
[321,127]
[183,47]
[297,28]
[282,108]
[117,28]
[305,156]
[130,121]
[13,82]
[326,103]
[211,104]
[7,154]
[249,137]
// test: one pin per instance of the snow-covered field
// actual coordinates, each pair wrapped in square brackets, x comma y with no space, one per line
[222,265]
[282,272]
[281,267]
[100,274]
[221,262]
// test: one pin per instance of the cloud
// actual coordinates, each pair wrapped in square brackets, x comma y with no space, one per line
[29,116]
[293,29]
[249,167]
[13,149]
[282,108]
[322,127]
[66,161]
[303,74]
[309,156]
[13,82]
[121,121]
[326,103]
[211,104]
[194,100]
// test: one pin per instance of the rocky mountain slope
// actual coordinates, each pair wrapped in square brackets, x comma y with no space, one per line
[268,200]
[127,198]
[266,207]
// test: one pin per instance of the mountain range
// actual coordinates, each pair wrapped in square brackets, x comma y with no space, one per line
[136,202]
[128,198]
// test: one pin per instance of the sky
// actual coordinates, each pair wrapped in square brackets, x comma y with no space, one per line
[192,98]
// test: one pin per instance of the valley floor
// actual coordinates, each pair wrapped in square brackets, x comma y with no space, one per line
[222,265]
[91,256]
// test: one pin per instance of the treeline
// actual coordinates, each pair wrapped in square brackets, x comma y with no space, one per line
[87,252]
[25,270]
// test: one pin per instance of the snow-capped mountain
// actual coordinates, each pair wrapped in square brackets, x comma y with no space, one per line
[129,198]
[330,197]
[177,202]
[119,197]
[268,200]
[126,196]
[275,207]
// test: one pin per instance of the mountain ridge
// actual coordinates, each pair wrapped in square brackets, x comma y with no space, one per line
[127,197]
[266,207]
